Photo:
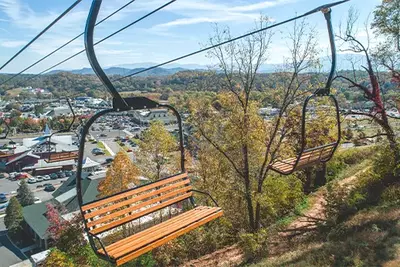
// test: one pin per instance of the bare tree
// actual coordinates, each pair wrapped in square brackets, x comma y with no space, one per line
[371,92]
[233,127]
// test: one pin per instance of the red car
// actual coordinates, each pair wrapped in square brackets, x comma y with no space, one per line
[129,150]
[22,176]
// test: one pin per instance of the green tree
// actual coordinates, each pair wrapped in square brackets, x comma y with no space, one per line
[120,175]
[156,151]
[387,21]
[25,195]
[13,219]
[39,109]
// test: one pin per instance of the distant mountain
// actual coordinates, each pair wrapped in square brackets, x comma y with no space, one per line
[124,71]
[168,66]
[343,60]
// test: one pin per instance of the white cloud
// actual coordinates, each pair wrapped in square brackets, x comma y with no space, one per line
[11,44]
[259,6]
[196,12]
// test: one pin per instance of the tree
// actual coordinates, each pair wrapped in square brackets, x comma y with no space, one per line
[13,219]
[371,88]
[39,109]
[56,224]
[229,127]
[156,150]
[121,175]
[25,195]
[387,21]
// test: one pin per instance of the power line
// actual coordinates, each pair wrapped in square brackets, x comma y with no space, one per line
[67,43]
[105,38]
[41,33]
[233,39]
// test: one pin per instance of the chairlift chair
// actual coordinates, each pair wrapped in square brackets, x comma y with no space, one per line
[317,154]
[63,155]
[113,212]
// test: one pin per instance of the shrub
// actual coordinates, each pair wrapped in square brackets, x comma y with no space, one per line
[254,245]
[391,195]
[341,202]
[57,258]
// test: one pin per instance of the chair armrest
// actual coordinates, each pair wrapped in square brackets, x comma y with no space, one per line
[207,194]
[101,244]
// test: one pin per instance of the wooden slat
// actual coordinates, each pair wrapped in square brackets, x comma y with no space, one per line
[305,161]
[304,158]
[139,214]
[168,238]
[135,242]
[134,191]
[137,207]
[184,216]
[136,199]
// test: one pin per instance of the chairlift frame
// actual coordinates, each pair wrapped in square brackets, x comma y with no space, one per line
[69,155]
[321,156]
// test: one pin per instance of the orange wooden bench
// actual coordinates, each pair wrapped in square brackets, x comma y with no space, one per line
[308,157]
[114,211]
[61,156]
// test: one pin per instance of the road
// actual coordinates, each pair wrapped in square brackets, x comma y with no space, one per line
[10,187]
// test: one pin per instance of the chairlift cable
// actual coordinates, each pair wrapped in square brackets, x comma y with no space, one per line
[41,33]
[67,43]
[105,38]
[234,39]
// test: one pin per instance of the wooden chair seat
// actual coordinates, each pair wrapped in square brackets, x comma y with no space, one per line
[307,158]
[114,211]
[61,156]
[133,246]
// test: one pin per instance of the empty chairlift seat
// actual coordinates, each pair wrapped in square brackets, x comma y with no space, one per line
[307,158]
[111,212]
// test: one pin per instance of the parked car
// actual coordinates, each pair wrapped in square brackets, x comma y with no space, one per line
[32,180]
[53,176]
[97,151]
[68,173]
[37,200]
[61,175]
[129,150]
[3,198]
[109,160]
[39,178]
[21,175]
[2,175]
[13,174]
[49,188]
[46,177]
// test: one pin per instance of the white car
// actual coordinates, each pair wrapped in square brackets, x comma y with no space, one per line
[32,180]
[13,174]
[46,177]
[39,178]
[37,200]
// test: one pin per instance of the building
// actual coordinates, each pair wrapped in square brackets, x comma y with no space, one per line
[35,220]
[144,117]
[41,167]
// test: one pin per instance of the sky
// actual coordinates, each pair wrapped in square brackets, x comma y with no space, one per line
[182,27]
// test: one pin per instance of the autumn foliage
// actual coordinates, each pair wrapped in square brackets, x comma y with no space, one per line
[121,175]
